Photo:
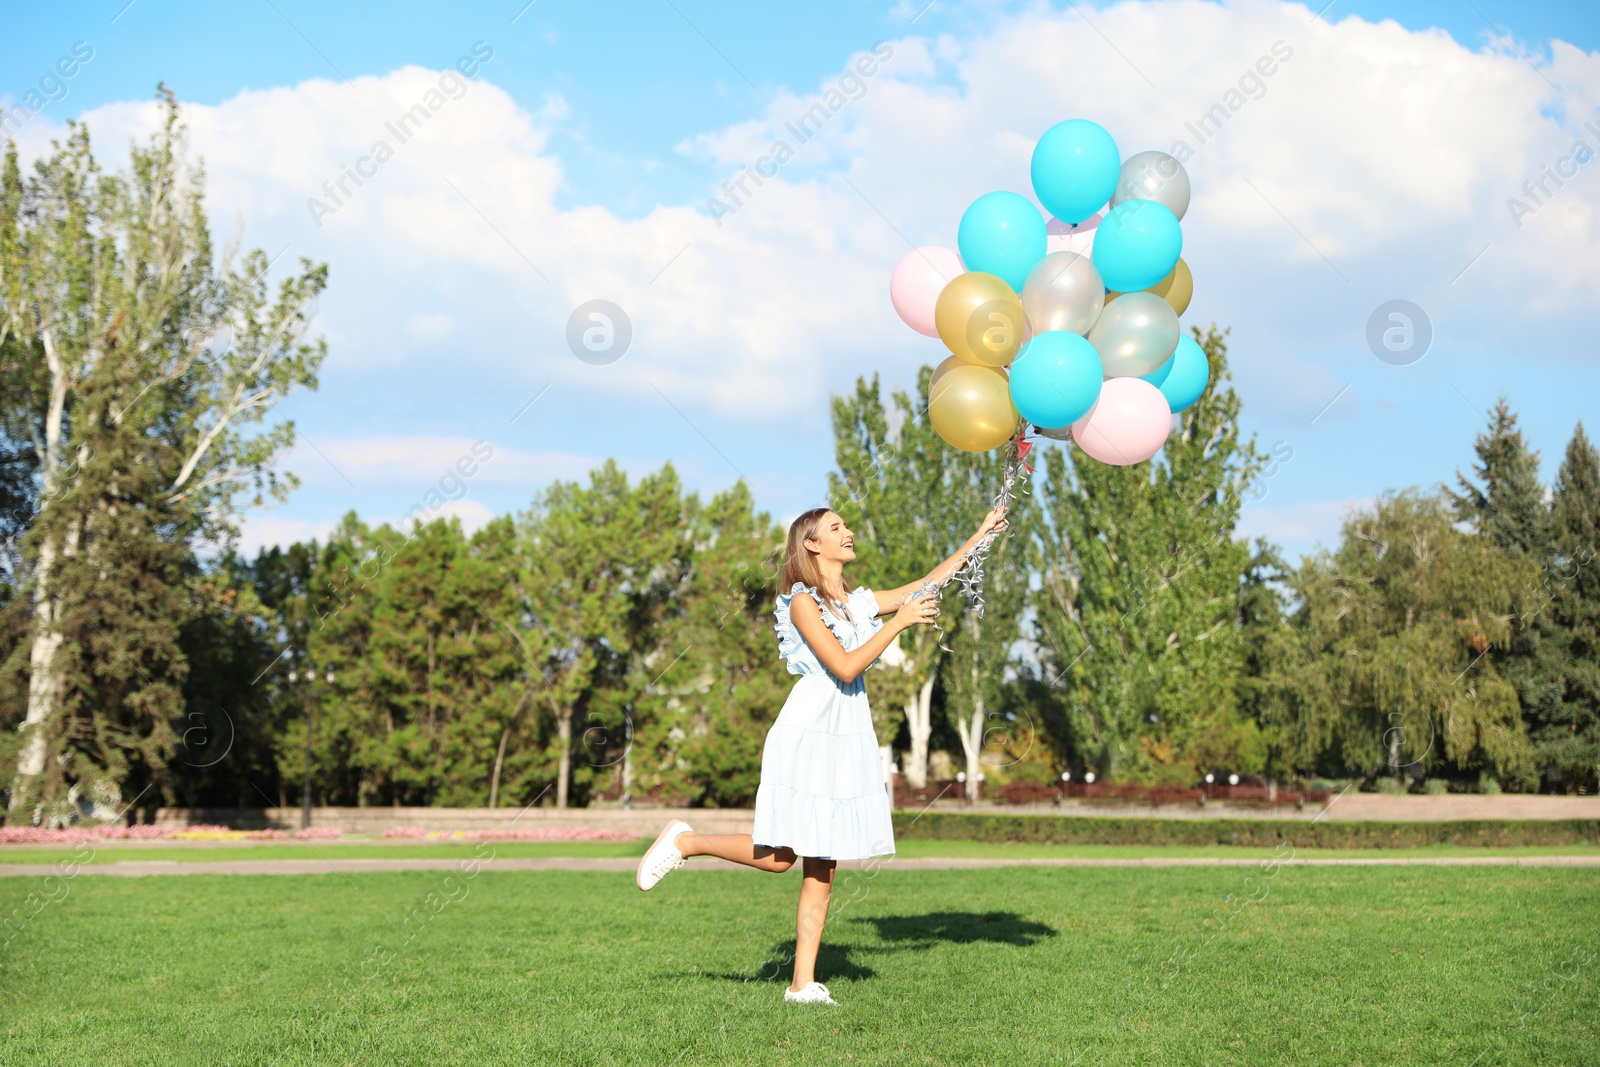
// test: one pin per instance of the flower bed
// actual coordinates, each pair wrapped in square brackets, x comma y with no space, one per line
[543,833]
[1109,793]
[39,835]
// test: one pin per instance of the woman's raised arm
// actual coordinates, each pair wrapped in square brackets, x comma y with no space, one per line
[890,599]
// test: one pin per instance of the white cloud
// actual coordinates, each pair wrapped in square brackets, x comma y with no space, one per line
[264,529]
[1374,163]
[422,460]
[1390,151]
[1298,527]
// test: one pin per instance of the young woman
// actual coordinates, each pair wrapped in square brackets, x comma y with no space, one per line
[821,797]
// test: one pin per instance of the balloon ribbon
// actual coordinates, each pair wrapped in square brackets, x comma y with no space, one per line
[968,571]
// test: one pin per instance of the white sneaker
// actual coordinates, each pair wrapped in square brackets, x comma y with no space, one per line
[662,857]
[815,993]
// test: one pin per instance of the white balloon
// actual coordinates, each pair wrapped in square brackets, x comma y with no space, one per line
[1063,291]
[1154,176]
[1135,334]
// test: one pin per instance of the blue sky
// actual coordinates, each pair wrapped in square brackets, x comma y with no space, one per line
[576,165]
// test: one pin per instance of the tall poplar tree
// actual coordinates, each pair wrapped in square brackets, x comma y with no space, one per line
[892,487]
[1137,614]
[141,365]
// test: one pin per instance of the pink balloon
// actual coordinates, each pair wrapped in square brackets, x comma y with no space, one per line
[1128,424]
[1063,237]
[917,281]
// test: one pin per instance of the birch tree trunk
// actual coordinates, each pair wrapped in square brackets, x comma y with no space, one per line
[44,680]
[919,721]
[971,729]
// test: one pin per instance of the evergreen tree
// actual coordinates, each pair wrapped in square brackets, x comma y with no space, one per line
[1567,736]
[1508,506]
[598,562]
[1274,657]
[716,681]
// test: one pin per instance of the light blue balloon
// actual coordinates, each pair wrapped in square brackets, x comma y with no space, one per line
[1075,169]
[1136,245]
[1003,234]
[1056,379]
[1159,375]
[1188,375]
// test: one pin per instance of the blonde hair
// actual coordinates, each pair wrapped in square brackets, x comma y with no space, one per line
[800,565]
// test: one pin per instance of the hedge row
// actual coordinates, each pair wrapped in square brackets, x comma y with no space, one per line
[1094,830]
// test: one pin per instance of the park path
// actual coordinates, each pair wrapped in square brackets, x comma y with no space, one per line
[140,869]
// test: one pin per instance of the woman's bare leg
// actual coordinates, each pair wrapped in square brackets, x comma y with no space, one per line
[736,848]
[815,889]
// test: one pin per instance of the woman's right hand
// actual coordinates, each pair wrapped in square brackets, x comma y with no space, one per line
[919,612]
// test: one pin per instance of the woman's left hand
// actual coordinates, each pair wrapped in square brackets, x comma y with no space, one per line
[993,522]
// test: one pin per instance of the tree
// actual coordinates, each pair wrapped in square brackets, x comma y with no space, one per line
[597,562]
[146,368]
[1508,507]
[982,643]
[1400,621]
[716,682]
[1274,664]
[1567,735]
[1137,613]
[891,487]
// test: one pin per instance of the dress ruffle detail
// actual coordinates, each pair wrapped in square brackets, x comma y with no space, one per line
[793,648]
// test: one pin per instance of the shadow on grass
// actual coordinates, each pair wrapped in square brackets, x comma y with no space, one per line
[957,928]
[833,962]
[915,933]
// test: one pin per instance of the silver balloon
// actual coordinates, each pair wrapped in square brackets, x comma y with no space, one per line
[1063,291]
[1136,333]
[1060,433]
[1154,176]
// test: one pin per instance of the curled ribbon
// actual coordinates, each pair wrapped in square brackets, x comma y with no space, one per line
[968,571]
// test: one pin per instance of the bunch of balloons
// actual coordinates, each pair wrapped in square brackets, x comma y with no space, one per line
[1090,350]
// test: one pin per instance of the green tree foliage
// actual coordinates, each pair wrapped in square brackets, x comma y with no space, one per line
[896,487]
[602,563]
[1137,614]
[1566,732]
[1399,622]
[1274,663]
[717,682]
[138,366]
[1508,506]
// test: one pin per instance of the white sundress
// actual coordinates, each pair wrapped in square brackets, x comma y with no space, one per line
[822,791]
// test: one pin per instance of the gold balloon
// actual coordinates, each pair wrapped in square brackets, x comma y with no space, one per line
[950,364]
[1177,288]
[946,367]
[971,408]
[980,319]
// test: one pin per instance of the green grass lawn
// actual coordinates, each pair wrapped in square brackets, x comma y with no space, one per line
[1000,967]
[912,848]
